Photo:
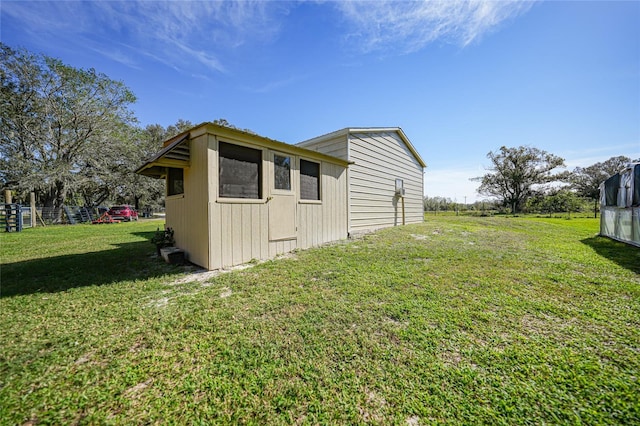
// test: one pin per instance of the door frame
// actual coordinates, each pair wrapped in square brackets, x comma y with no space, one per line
[282,203]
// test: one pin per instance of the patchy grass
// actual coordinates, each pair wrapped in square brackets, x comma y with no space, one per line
[457,320]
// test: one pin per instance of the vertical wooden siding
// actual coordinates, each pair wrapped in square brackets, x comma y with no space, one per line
[239,234]
[239,231]
[326,221]
[187,213]
[380,158]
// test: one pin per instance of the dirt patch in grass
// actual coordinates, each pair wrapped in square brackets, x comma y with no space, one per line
[134,391]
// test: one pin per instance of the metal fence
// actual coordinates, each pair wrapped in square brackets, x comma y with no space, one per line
[49,215]
[16,217]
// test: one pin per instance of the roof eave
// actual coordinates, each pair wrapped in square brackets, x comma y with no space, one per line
[156,166]
[158,162]
[151,170]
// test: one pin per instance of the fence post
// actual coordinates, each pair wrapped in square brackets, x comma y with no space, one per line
[19,223]
[7,210]
[13,217]
[32,201]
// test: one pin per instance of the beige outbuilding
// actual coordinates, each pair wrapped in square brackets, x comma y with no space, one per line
[233,196]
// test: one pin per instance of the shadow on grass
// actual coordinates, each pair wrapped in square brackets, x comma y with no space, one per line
[125,262]
[625,255]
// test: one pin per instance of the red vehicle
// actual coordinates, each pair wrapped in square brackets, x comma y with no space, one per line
[126,213]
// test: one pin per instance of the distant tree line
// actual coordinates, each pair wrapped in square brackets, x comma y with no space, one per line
[527,180]
[446,204]
[69,135]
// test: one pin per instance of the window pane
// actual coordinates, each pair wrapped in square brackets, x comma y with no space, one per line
[309,180]
[240,171]
[282,172]
[175,180]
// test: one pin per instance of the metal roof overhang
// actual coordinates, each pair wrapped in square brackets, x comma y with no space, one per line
[174,155]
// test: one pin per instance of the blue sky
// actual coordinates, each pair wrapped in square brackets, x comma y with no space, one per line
[460,78]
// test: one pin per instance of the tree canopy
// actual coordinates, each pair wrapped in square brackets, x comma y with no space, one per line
[586,180]
[69,135]
[516,173]
[61,127]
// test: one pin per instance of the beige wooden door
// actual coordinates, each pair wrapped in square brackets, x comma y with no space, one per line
[282,202]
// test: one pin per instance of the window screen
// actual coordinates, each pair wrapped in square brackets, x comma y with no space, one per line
[175,181]
[309,180]
[240,171]
[636,185]
[611,187]
[282,172]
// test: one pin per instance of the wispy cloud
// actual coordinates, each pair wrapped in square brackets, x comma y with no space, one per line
[183,31]
[589,156]
[409,26]
[168,31]
[118,55]
[276,84]
[198,37]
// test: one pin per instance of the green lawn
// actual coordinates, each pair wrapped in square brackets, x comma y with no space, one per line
[457,320]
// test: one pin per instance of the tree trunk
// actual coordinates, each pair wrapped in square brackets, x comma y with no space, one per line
[60,198]
[595,208]
[47,197]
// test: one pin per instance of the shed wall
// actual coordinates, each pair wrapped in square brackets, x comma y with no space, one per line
[239,229]
[379,159]
[240,234]
[187,213]
[325,221]
[335,146]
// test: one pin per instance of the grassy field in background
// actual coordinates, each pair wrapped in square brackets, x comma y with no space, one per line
[457,320]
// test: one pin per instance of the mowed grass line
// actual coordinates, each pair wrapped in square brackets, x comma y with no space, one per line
[457,320]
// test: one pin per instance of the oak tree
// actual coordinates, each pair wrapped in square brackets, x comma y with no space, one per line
[60,127]
[515,173]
